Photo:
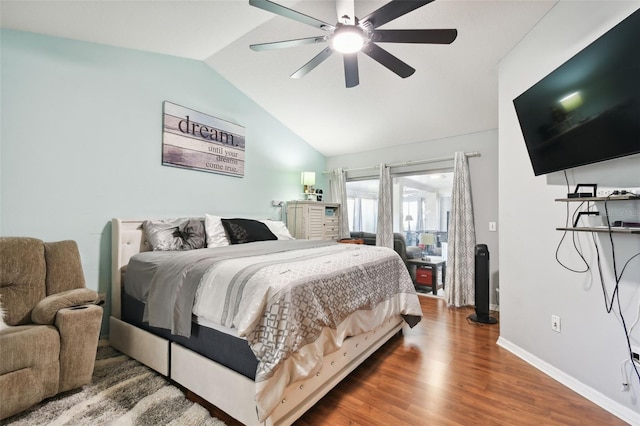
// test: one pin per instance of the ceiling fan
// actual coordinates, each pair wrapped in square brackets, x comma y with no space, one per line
[351,35]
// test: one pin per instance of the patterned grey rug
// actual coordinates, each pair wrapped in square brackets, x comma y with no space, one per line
[122,392]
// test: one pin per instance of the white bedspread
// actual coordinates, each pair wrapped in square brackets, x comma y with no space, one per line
[293,301]
[279,302]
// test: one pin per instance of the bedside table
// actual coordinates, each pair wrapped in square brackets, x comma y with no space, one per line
[433,264]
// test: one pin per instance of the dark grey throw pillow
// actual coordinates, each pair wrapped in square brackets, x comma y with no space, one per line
[242,231]
[192,234]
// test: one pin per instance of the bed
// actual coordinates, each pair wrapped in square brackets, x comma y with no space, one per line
[279,359]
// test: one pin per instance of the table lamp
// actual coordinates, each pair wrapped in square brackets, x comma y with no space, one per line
[308,179]
[408,218]
[427,240]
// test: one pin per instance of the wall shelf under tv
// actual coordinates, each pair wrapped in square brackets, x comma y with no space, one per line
[610,198]
[613,229]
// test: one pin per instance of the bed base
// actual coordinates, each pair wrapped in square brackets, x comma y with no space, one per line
[196,373]
[200,374]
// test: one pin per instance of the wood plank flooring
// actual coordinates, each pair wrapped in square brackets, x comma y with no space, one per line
[449,371]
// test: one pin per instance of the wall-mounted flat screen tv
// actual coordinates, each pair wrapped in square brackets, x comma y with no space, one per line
[588,109]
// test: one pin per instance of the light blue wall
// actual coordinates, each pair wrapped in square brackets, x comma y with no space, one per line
[81,137]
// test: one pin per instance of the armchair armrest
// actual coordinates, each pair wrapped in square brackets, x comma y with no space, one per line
[45,311]
[79,328]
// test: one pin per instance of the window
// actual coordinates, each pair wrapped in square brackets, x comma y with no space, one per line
[362,205]
[424,199]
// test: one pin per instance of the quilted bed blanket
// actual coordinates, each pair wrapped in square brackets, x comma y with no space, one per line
[294,301]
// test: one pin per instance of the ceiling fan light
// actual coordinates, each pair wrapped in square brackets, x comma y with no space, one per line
[347,39]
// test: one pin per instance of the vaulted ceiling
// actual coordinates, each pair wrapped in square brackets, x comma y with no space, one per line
[454,90]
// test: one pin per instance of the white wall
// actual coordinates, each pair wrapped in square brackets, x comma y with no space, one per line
[588,352]
[483,171]
[81,140]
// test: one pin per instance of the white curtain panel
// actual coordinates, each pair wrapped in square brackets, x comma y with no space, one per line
[338,183]
[459,285]
[384,230]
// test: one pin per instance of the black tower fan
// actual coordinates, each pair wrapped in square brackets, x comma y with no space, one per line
[482,286]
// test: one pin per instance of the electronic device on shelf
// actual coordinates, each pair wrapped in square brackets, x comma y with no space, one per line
[579,195]
[625,224]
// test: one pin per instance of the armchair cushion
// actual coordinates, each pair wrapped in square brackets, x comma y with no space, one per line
[45,311]
[22,275]
[30,367]
[64,268]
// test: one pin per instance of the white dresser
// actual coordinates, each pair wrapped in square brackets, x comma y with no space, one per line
[313,220]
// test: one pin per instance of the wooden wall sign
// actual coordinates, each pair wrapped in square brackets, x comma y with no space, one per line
[193,140]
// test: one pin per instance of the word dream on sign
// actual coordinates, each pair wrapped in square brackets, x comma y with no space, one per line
[197,141]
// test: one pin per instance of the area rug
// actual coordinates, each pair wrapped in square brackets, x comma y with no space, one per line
[122,392]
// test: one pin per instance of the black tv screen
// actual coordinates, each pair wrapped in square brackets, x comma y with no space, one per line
[588,109]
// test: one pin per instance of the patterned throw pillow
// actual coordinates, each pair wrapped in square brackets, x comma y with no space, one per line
[241,231]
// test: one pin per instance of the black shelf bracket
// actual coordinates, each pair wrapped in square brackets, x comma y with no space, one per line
[577,194]
[575,223]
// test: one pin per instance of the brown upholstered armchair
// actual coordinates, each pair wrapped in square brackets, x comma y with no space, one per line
[53,322]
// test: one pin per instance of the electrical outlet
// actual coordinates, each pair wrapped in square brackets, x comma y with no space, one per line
[277,203]
[631,191]
[604,192]
[555,323]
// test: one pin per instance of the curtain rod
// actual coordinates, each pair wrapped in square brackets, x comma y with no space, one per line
[411,163]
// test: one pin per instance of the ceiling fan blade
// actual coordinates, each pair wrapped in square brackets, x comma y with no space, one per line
[351,69]
[346,8]
[272,7]
[415,36]
[317,60]
[286,43]
[388,60]
[392,10]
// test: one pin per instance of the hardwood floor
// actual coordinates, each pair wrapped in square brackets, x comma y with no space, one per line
[449,371]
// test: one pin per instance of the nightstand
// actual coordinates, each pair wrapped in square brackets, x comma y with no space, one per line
[426,272]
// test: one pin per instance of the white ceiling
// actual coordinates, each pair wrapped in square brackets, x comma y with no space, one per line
[454,90]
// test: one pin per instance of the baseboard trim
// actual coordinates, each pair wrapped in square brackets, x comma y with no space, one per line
[624,413]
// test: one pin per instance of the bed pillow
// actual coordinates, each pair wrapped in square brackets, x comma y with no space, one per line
[216,236]
[192,234]
[241,231]
[278,228]
[175,234]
